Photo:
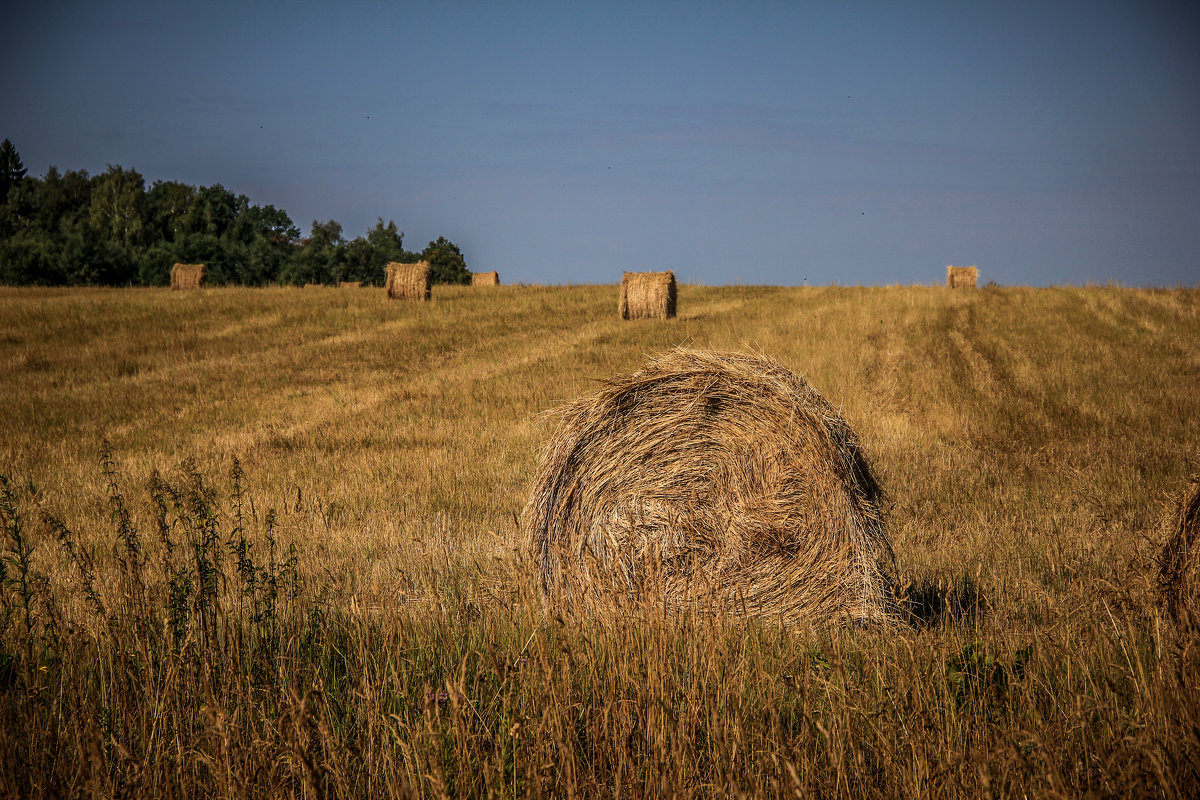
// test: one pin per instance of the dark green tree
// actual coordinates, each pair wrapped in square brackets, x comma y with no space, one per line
[320,257]
[269,239]
[118,206]
[168,205]
[72,228]
[12,171]
[214,211]
[446,262]
[29,258]
[367,257]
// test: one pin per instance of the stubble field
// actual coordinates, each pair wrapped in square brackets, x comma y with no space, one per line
[264,542]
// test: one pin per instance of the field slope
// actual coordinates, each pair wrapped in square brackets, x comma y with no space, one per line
[347,610]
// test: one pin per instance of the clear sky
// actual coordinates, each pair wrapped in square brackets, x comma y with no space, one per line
[734,142]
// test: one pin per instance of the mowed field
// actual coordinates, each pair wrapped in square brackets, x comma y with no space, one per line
[297,569]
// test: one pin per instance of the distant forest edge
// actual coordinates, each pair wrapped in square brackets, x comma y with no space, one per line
[110,230]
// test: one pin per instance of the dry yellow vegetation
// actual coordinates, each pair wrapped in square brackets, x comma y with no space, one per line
[158,637]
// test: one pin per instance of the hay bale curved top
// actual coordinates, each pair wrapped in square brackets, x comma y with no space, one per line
[721,480]
[1179,562]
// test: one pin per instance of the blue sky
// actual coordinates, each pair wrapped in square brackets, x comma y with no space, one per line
[755,143]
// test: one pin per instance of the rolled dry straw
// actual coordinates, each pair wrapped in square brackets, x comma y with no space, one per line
[715,482]
[648,295]
[187,276]
[1179,562]
[409,281]
[349,284]
[961,277]
[485,278]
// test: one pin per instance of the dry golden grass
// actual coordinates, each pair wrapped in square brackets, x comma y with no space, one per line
[1032,443]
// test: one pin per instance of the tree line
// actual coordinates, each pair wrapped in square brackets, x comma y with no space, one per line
[72,228]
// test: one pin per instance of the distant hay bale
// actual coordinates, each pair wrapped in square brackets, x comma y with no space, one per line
[714,482]
[648,295]
[349,284]
[1179,562]
[409,281]
[961,277]
[188,276]
[485,278]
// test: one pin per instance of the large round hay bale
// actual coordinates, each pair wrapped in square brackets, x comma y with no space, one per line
[1179,573]
[716,482]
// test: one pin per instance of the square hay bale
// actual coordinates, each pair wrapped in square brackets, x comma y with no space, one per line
[485,278]
[187,276]
[648,295]
[961,277]
[409,281]
[350,284]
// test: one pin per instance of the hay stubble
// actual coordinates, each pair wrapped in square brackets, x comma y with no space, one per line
[397,451]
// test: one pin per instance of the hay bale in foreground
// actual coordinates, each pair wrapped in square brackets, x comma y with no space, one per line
[485,278]
[648,295]
[409,281]
[188,276]
[715,482]
[349,284]
[1179,562]
[961,277]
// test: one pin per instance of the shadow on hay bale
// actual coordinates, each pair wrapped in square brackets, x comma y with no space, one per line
[1179,563]
[716,482]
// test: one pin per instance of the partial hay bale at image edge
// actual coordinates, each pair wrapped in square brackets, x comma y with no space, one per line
[485,278]
[409,281]
[961,277]
[715,482]
[1179,562]
[648,295]
[188,276]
